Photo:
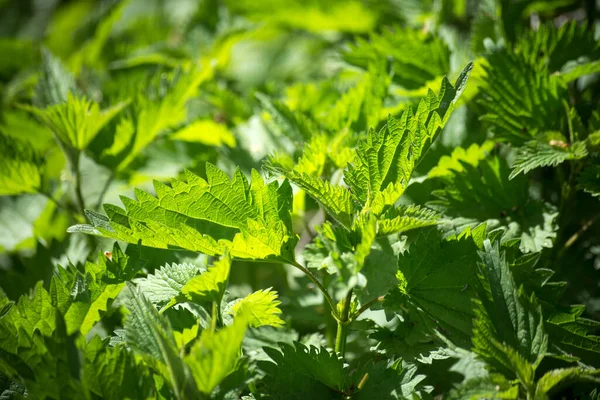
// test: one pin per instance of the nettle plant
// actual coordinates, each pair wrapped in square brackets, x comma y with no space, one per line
[406,237]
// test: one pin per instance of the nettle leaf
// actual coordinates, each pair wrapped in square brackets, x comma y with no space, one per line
[418,57]
[260,308]
[589,179]
[388,380]
[335,199]
[55,82]
[155,108]
[385,161]
[509,329]
[77,121]
[205,131]
[360,106]
[535,154]
[284,122]
[209,286]
[114,373]
[480,191]
[519,100]
[215,354]
[572,334]
[251,221]
[166,282]
[150,335]
[405,218]
[21,167]
[298,371]
[449,165]
[437,278]
[558,378]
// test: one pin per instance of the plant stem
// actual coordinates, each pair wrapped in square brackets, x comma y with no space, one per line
[365,308]
[109,180]
[214,317]
[343,324]
[314,279]
[73,158]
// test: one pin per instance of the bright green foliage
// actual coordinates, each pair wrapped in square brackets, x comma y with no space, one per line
[77,121]
[211,216]
[55,82]
[418,57]
[214,355]
[20,165]
[311,210]
[152,114]
[575,334]
[535,154]
[402,219]
[259,309]
[385,161]
[210,285]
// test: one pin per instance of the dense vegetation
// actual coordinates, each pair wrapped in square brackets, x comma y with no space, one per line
[307,199]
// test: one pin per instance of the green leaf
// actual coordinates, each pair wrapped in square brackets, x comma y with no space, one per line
[589,179]
[156,108]
[284,122]
[387,380]
[55,82]
[260,308]
[519,100]
[449,165]
[21,167]
[166,282]
[208,286]
[207,132]
[335,198]
[298,371]
[385,160]
[417,57]
[535,154]
[572,333]
[252,221]
[77,121]
[149,334]
[114,373]
[509,330]
[482,192]
[404,218]
[557,378]
[215,354]
[438,277]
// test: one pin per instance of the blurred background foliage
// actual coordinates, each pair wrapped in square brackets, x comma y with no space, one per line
[177,83]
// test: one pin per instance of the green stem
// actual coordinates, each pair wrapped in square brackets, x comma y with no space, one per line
[319,285]
[343,325]
[214,316]
[364,308]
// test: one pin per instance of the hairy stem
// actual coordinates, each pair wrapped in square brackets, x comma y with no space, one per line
[365,308]
[343,325]
[314,279]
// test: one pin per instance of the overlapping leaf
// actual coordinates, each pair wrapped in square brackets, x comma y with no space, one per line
[211,216]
